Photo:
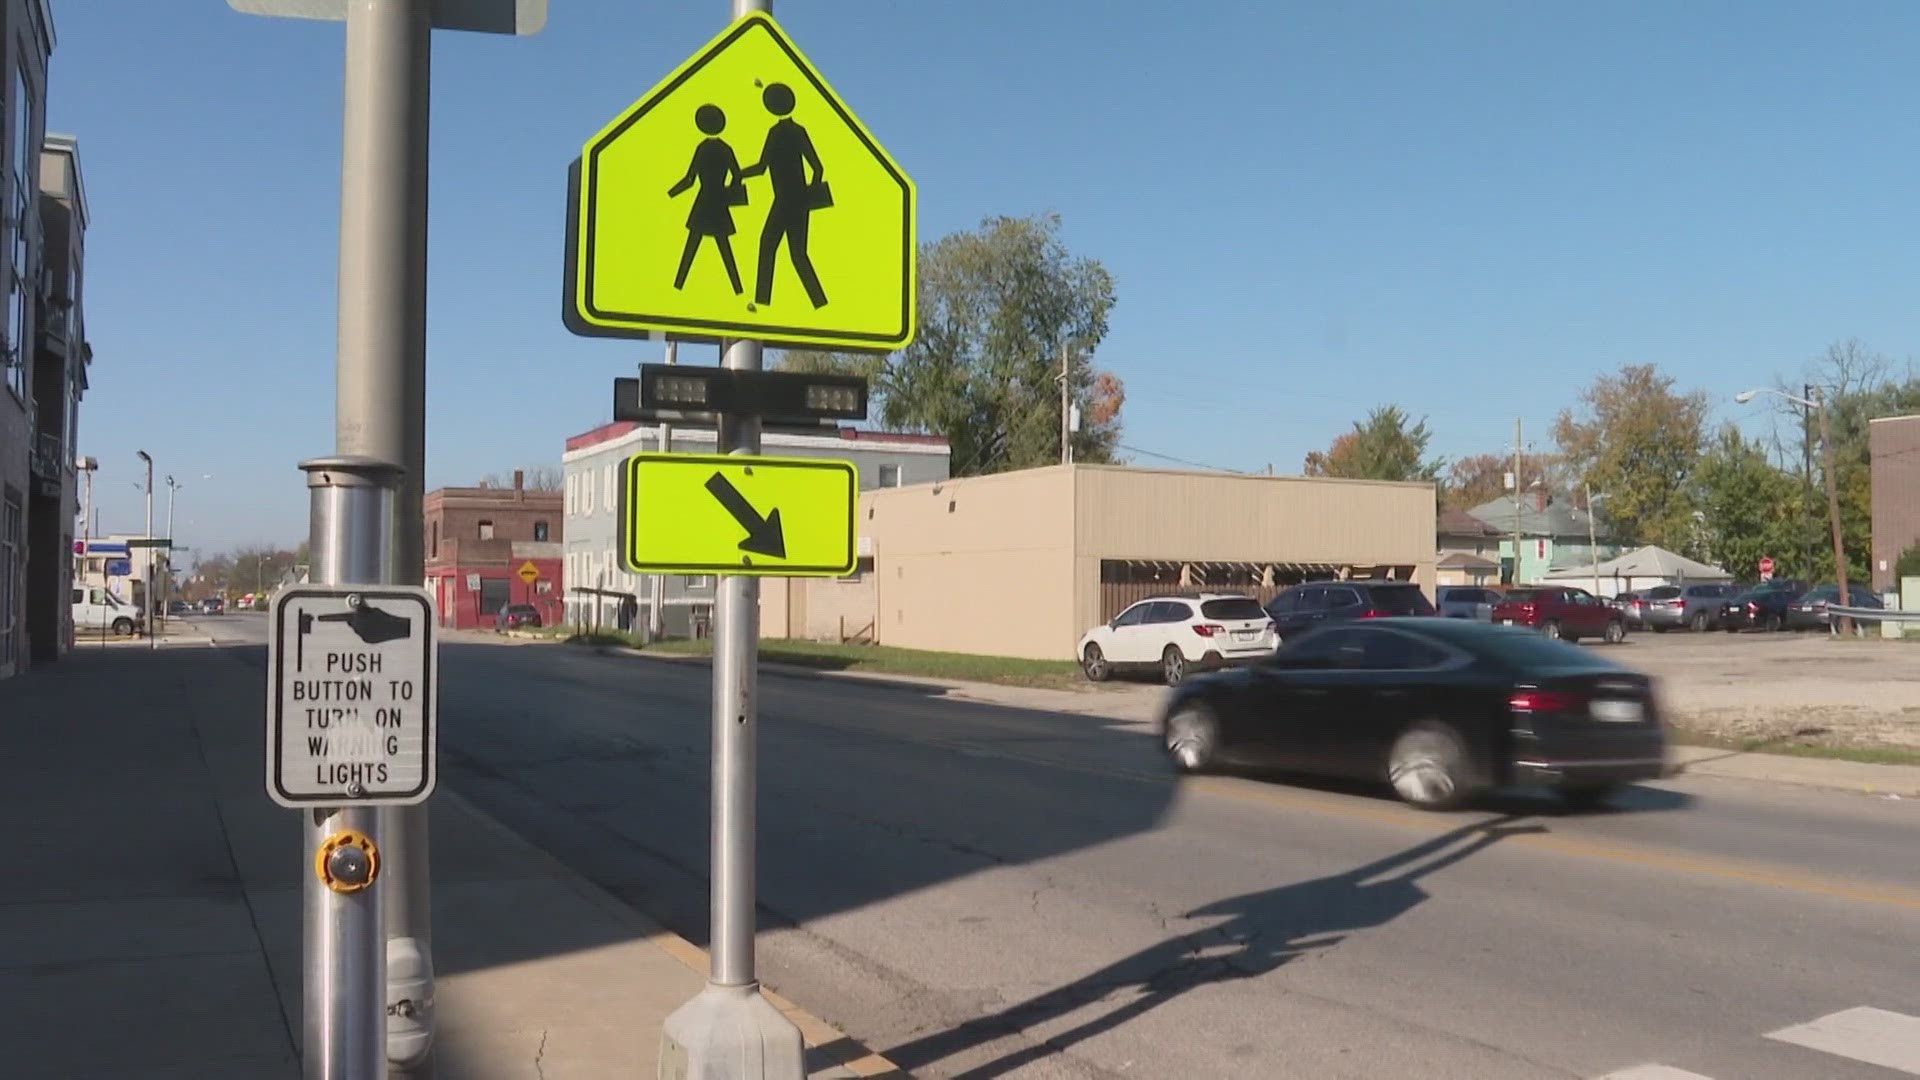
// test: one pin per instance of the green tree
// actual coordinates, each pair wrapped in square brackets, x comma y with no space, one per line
[1638,441]
[998,306]
[1907,565]
[1752,508]
[1385,446]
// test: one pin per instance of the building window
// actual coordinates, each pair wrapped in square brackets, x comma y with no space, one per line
[697,582]
[435,549]
[573,492]
[486,530]
[540,532]
[889,476]
[586,494]
[609,492]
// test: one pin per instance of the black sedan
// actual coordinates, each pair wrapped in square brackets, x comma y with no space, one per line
[1756,609]
[1442,709]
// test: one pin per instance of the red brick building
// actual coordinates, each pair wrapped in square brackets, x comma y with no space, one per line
[480,540]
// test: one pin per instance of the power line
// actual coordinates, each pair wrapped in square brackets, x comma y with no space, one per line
[1176,460]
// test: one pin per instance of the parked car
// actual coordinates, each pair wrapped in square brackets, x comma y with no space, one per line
[517,616]
[1561,611]
[1809,610]
[1304,607]
[213,605]
[179,607]
[1176,634]
[1442,709]
[1763,608]
[1694,607]
[1467,602]
[1633,605]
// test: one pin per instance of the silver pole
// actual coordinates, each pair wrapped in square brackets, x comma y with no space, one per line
[351,507]
[657,610]
[735,724]
[730,1029]
[152,616]
[381,409]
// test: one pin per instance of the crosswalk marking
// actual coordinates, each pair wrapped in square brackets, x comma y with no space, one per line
[1654,1072]
[1875,1036]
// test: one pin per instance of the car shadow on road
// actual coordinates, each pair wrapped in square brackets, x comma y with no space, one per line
[1259,932]
[1532,800]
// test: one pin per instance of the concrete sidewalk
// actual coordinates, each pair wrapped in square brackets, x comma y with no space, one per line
[151,927]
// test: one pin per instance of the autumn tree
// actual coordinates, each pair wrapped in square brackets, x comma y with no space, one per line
[1481,478]
[1385,446]
[1752,508]
[1637,440]
[998,307]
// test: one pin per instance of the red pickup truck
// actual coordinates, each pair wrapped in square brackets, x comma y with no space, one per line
[1562,612]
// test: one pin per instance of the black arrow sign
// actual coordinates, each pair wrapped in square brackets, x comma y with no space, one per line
[764,535]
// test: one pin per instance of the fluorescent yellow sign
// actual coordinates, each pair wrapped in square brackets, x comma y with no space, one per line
[713,514]
[742,198]
[529,573]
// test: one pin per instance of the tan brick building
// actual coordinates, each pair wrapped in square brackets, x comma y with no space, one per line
[1893,443]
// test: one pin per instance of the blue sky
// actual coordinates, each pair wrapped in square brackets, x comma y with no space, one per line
[1470,209]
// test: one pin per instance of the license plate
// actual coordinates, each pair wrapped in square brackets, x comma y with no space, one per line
[1617,712]
[1506,622]
[1245,635]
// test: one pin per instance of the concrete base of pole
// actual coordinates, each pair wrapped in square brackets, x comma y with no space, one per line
[731,1033]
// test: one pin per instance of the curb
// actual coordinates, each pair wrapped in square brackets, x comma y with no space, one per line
[861,1061]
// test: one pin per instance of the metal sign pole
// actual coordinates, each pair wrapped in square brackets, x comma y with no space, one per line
[381,410]
[352,510]
[730,1029]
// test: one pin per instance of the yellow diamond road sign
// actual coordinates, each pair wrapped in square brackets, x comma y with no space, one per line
[742,198]
[715,514]
[528,572]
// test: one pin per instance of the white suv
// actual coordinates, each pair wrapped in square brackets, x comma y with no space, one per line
[1176,634]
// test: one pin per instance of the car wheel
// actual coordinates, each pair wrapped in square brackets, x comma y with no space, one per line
[1551,628]
[1428,767]
[1094,663]
[1699,623]
[1615,634]
[1193,739]
[1173,665]
[1774,624]
[123,627]
[1587,796]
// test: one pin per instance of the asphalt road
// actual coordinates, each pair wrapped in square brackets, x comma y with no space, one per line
[979,891]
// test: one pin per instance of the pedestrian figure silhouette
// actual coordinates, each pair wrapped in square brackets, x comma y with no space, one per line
[721,189]
[784,158]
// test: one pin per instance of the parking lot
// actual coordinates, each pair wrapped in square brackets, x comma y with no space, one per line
[1807,687]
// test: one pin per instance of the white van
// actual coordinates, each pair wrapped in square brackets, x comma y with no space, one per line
[96,610]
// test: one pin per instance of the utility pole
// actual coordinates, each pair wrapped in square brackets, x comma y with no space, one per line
[1833,511]
[1806,475]
[173,489]
[1066,405]
[1518,486]
[148,535]
[657,610]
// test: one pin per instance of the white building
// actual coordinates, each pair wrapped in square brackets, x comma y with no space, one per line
[600,592]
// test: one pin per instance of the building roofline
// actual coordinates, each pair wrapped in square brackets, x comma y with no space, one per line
[1886,419]
[619,430]
[1272,477]
[69,145]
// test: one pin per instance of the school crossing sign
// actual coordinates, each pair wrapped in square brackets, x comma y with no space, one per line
[742,198]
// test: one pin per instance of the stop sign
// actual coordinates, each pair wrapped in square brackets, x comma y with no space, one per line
[1766,565]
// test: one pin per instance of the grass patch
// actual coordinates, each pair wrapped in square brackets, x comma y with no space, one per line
[603,639]
[1807,748]
[886,660]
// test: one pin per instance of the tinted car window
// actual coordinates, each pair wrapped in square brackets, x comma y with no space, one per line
[1343,648]
[1400,600]
[1313,598]
[1286,603]
[1523,596]
[1133,616]
[1170,611]
[1238,607]
[1389,651]
[1341,598]
[1664,592]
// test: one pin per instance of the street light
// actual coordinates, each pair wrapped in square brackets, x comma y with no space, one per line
[1593,544]
[1818,405]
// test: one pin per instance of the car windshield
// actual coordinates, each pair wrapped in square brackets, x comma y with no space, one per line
[1520,649]
[1399,600]
[1232,607]
[1522,596]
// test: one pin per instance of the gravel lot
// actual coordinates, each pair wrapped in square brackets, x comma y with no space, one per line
[1807,688]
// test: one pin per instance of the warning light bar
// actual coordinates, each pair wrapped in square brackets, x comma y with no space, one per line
[678,393]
